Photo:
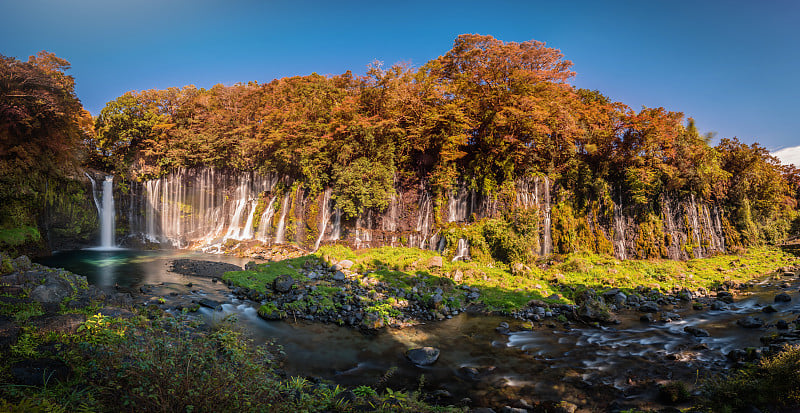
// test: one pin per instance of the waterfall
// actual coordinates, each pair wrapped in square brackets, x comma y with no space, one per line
[547,241]
[619,231]
[266,220]
[105,211]
[324,216]
[462,250]
[279,232]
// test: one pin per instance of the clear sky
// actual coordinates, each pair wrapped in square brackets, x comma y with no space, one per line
[732,65]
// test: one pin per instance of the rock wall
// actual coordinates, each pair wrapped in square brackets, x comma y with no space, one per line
[207,209]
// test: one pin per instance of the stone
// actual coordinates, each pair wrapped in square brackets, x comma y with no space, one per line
[54,290]
[509,409]
[22,263]
[205,302]
[783,298]
[646,318]
[719,306]
[649,307]
[594,310]
[782,325]
[40,372]
[750,322]
[435,261]
[769,309]
[458,276]
[697,332]
[64,323]
[345,264]
[283,283]
[725,297]
[423,356]
[9,332]
[339,276]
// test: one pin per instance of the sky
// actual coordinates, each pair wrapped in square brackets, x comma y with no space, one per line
[731,65]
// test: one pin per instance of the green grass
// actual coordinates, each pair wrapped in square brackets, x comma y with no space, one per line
[14,237]
[261,278]
[502,290]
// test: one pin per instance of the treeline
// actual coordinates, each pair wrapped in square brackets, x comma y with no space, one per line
[44,133]
[484,114]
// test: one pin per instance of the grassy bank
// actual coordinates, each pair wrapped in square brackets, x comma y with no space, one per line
[509,288]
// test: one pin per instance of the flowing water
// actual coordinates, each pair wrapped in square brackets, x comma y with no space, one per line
[591,367]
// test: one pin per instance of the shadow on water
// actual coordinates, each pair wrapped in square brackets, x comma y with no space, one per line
[589,366]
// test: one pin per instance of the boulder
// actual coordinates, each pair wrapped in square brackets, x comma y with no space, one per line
[339,276]
[64,323]
[769,309]
[697,332]
[283,283]
[649,307]
[22,263]
[783,298]
[750,322]
[458,276]
[594,310]
[205,302]
[435,261]
[718,305]
[725,297]
[54,290]
[345,264]
[423,356]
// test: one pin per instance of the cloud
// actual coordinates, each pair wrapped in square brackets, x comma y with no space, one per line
[789,155]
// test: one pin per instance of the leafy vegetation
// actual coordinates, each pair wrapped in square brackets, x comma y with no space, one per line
[771,383]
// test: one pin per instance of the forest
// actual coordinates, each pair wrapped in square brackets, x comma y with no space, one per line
[485,114]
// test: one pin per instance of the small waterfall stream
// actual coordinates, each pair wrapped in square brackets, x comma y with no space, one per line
[105,211]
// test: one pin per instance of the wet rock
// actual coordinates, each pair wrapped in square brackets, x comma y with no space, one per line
[719,306]
[482,410]
[783,298]
[283,283]
[594,310]
[725,297]
[423,356]
[697,332]
[750,322]
[39,372]
[503,328]
[669,316]
[202,268]
[633,300]
[205,302]
[769,309]
[649,307]
[509,409]
[646,318]
[782,325]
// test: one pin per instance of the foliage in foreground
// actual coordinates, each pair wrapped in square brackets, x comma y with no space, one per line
[171,364]
[773,382]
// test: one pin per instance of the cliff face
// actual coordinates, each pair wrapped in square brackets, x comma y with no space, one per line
[208,209]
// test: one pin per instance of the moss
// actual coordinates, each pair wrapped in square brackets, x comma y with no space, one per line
[261,278]
[261,205]
[14,237]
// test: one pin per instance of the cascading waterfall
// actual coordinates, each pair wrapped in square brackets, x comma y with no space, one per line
[202,208]
[462,250]
[324,217]
[281,230]
[105,211]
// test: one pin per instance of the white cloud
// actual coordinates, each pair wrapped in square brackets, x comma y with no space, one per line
[789,155]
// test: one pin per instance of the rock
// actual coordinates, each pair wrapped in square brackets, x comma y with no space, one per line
[22,263]
[270,312]
[669,316]
[769,309]
[435,261]
[725,297]
[339,276]
[649,307]
[750,322]
[251,265]
[202,268]
[283,283]
[509,409]
[783,298]
[39,372]
[205,302]
[9,332]
[372,321]
[345,264]
[782,325]
[594,310]
[633,300]
[482,410]
[423,356]
[719,306]
[697,332]
[54,290]
[458,276]
[64,323]
[789,274]
[646,318]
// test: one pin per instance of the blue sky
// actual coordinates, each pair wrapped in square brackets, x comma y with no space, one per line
[732,65]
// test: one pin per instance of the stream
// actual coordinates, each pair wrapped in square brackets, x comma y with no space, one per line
[612,367]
